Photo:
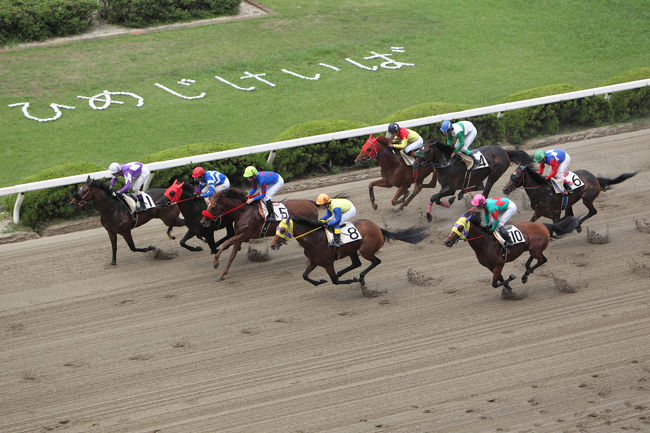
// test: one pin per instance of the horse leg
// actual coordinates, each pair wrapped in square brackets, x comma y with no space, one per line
[374,263]
[398,198]
[416,191]
[305,275]
[172,222]
[498,281]
[355,264]
[371,191]
[189,235]
[129,241]
[227,243]
[529,269]
[435,198]
[113,237]
[235,248]
[592,211]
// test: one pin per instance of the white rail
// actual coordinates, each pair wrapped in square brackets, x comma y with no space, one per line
[287,144]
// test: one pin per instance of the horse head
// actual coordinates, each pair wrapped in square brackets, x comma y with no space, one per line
[516,179]
[283,233]
[172,194]
[368,151]
[462,227]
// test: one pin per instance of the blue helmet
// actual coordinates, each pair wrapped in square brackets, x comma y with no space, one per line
[446,126]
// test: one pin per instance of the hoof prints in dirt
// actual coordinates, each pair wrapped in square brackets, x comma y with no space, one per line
[643,226]
[563,285]
[415,277]
[257,255]
[159,254]
[595,237]
[640,269]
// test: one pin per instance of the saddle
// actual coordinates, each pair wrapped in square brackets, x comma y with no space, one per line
[409,160]
[131,201]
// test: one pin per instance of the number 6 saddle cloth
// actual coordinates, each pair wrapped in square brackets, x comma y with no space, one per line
[349,233]
[572,180]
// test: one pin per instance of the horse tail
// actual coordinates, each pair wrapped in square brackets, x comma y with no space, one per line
[606,183]
[519,156]
[411,235]
[564,226]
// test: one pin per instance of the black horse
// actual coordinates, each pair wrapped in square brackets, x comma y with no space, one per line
[453,176]
[545,202]
[116,217]
[191,207]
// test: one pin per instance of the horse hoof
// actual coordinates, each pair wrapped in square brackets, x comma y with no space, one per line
[512,277]
[219,279]
[113,264]
[579,229]
[443,204]
[215,265]
[374,206]
[429,217]
[524,279]
[400,208]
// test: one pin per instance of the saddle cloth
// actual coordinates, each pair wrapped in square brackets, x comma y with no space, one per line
[132,201]
[516,235]
[481,161]
[572,180]
[279,210]
[349,233]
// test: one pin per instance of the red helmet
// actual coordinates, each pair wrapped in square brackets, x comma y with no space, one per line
[198,172]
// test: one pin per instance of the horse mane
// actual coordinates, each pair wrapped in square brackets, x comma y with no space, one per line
[532,172]
[101,185]
[307,222]
[474,217]
[383,139]
[443,148]
[234,193]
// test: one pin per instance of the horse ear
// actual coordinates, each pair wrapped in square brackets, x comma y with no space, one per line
[370,138]
[181,184]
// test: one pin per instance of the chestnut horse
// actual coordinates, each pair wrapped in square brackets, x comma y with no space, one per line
[191,207]
[313,239]
[545,202]
[490,253]
[117,218]
[394,171]
[452,172]
[249,222]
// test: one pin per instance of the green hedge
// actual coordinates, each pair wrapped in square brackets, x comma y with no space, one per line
[23,20]
[318,158]
[142,13]
[631,103]
[232,167]
[41,206]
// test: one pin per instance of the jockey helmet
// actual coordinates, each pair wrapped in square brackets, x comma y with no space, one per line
[478,200]
[540,155]
[250,171]
[114,168]
[198,172]
[323,199]
[446,126]
[393,128]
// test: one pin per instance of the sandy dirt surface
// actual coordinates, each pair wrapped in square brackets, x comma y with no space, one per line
[156,345]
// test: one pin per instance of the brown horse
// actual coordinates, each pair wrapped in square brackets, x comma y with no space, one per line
[545,202]
[311,236]
[116,217]
[452,172]
[490,254]
[394,171]
[191,207]
[249,222]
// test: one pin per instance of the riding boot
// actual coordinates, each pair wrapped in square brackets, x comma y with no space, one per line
[507,241]
[140,205]
[271,212]
[566,187]
[336,242]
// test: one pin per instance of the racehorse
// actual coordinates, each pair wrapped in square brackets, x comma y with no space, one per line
[394,171]
[536,238]
[314,242]
[545,202]
[191,207]
[117,218]
[249,222]
[452,173]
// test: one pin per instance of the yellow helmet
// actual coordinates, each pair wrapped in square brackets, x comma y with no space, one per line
[250,171]
[323,199]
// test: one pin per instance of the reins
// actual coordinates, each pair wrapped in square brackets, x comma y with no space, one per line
[208,215]
[306,233]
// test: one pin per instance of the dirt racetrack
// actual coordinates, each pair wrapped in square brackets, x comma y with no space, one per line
[155,345]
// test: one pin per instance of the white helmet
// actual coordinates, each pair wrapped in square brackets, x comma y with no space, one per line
[113,168]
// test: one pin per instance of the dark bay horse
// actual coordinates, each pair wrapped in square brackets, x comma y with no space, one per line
[311,236]
[545,202]
[249,222]
[451,172]
[490,254]
[116,217]
[394,171]
[191,207]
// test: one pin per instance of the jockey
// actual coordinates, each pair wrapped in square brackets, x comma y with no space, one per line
[559,161]
[465,133]
[403,138]
[263,179]
[209,182]
[496,212]
[339,210]
[135,175]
